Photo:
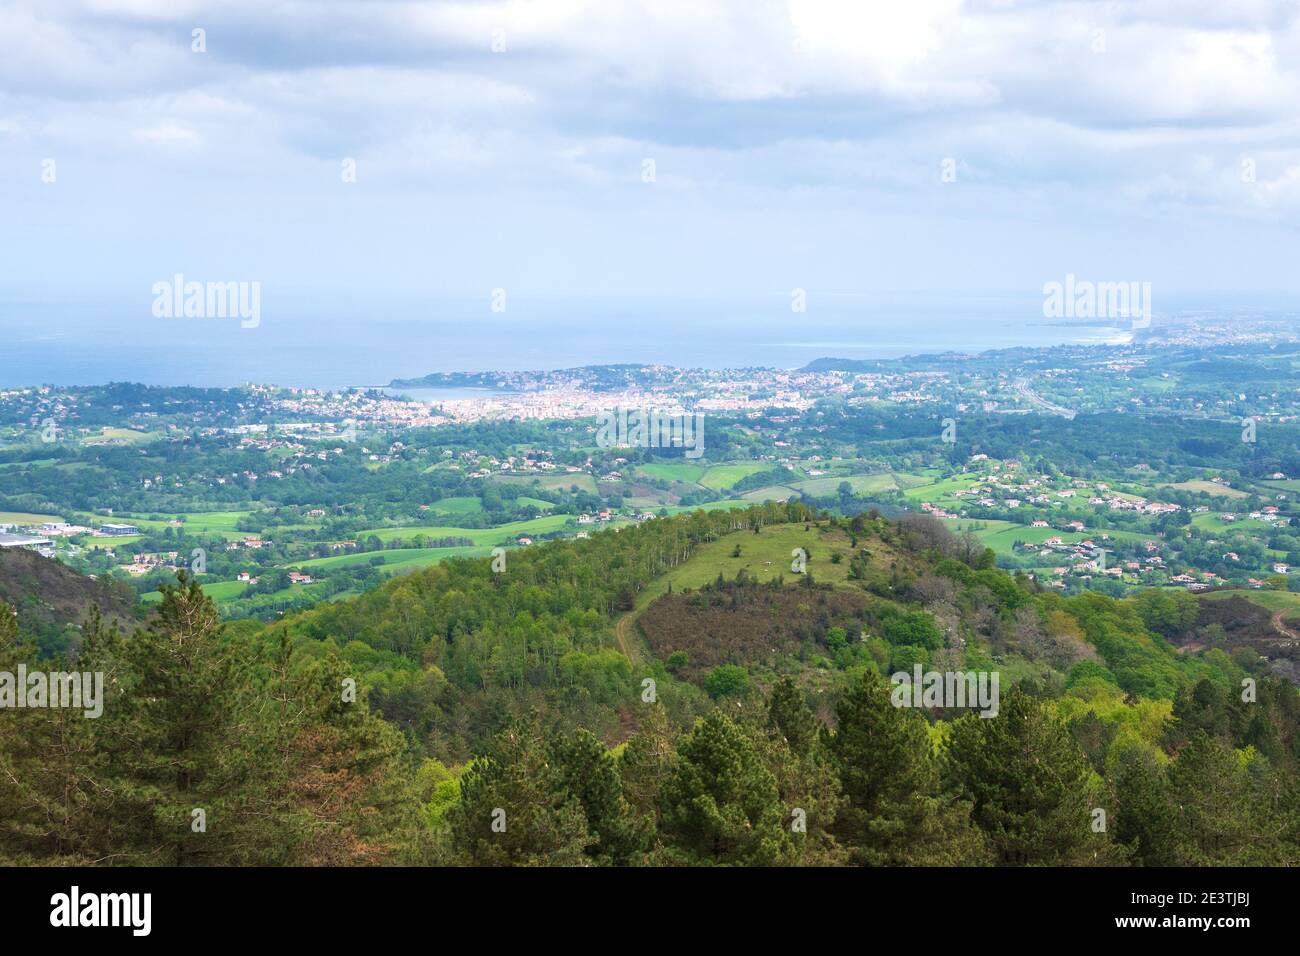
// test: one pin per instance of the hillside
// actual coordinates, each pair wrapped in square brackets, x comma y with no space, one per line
[665,692]
[573,628]
[52,600]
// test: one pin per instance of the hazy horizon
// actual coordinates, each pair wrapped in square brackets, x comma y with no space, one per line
[385,153]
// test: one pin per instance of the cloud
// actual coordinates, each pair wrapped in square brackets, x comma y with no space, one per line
[786,116]
[167,133]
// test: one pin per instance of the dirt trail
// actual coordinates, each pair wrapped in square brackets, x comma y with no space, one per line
[1282,628]
[627,642]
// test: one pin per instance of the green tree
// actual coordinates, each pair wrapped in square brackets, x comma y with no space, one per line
[644,765]
[178,738]
[1222,811]
[789,715]
[1032,789]
[515,809]
[895,812]
[1145,815]
[589,772]
[720,803]
[726,680]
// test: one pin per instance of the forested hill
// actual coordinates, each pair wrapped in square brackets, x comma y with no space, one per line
[708,604]
[52,599]
[707,689]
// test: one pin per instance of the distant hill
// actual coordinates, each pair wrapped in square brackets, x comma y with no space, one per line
[53,600]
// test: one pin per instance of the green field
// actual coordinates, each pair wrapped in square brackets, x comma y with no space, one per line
[25,517]
[1210,488]
[202,522]
[938,489]
[550,482]
[1290,484]
[394,560]
[722,477]
[691,474]
[126,436]
[861,484]
[764,556]
[1002,535]
[502,534]
[523,501]
[1274,601]
[770,493]
[707,506]
[926,476]
[219,591]
[463,505]
[1209,521]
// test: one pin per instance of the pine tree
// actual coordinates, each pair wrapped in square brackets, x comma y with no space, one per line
[720,804]
[1220,802]
[645,764]
[790,741]
[1032,789]
[589,772]
[50,762]
[788,713]
[179,747]
[1144,817]
[514,808]
[339,790]
[895,812]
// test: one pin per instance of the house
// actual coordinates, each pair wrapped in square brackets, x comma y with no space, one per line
[298,578]
[1280,568]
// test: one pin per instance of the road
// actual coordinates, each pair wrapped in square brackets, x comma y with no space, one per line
[1028,393]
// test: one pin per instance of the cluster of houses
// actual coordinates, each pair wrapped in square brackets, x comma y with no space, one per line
[1268,514]
[1000,494]
[250,543]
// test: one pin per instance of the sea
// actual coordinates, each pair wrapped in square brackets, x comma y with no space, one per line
[86,343]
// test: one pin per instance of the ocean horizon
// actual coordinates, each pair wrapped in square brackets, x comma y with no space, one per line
[87,344]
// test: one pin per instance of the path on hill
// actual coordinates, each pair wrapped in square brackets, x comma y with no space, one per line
[1282,628]
[626,639]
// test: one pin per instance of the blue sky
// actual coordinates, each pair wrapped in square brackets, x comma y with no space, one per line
[795,144]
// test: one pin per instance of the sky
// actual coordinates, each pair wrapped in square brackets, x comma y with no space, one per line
[602,150]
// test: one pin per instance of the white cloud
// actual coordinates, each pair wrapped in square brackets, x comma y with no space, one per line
[169,133]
